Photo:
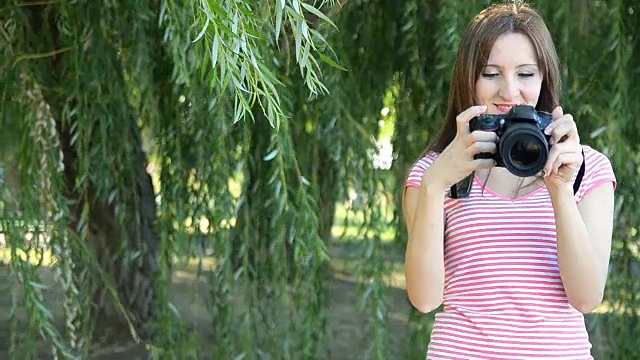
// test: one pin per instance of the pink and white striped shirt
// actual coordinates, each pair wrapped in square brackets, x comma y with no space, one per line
[503,296]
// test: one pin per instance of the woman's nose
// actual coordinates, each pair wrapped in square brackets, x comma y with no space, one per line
[509,89]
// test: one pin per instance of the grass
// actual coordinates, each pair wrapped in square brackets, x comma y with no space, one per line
[345,259]
[348,224]
[32,256]
[190,292]
[347,323]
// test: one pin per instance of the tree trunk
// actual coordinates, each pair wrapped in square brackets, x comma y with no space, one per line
[133,277]
[328,178]
[112,240]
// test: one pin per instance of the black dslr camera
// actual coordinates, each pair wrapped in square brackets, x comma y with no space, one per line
[523,147]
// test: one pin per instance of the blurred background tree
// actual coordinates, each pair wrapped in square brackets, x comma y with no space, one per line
[222,179]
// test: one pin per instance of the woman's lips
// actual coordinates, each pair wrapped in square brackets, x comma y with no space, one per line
[504,108]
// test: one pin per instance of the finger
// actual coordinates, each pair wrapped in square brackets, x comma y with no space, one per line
[557,113]
[563,130]
[558,156]
[482,136]
[481,147]
[560,159]
[571,158]
[462,120]
[565,147]
[551,159]
[558,119]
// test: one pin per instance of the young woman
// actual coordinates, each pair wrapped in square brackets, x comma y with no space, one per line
[518,261]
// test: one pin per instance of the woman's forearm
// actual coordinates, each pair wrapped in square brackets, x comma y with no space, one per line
[581,275]
[424,263]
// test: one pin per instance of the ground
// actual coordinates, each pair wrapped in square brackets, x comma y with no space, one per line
[349,340]
[348,337]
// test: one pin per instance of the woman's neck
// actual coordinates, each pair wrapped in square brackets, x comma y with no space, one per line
[501,181]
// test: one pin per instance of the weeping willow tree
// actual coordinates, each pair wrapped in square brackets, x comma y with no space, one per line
[126,129]
[223,137]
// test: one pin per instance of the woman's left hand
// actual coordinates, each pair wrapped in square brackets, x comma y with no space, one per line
[565,156]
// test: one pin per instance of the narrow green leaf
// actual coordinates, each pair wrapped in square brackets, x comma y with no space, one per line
[202,32]
[279,15]
[296,5]
[318,13]
[271,155]
[38,285]
[329,61]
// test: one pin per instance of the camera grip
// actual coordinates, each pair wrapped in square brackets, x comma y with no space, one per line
[462,189]
[484,156]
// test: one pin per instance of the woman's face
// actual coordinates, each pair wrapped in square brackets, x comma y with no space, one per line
[511,77]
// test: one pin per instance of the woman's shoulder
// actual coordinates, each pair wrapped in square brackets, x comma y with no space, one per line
[427,159]
[596,162]
[592,153]
[414,179]
[598,169]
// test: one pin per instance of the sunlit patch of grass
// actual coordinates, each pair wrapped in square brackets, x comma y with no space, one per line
[347,270]
[197,264]
[32,256]
[46,257]
[202,225]
[348,224]
[340,232]
[611,307]
[192,268]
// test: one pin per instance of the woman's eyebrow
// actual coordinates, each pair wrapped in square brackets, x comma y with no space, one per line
[519,66]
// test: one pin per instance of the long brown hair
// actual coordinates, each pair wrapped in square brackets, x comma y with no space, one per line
[473,54]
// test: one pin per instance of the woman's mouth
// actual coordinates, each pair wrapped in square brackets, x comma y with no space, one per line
[504,108]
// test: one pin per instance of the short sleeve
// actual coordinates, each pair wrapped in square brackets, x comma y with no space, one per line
[414,179]
[598,170]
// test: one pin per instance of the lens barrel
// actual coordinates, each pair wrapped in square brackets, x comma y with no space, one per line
[523,149]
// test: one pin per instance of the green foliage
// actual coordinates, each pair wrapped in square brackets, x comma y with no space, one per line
[118,75]
[94,95]
[234,32]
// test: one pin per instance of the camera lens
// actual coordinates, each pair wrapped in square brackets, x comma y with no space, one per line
[524,149]
[525,152]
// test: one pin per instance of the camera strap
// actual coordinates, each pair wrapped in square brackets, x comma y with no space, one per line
[463,188]
[576,183]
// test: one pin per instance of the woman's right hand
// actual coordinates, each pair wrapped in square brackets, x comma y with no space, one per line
[457,160]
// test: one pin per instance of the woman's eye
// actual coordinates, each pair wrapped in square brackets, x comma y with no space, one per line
[526,74]
[490,75]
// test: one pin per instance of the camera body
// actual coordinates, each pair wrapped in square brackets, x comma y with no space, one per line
[523,148]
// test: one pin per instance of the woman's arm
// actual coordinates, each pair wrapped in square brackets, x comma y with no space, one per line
[584,243]
[424,258]
[424,209]
[583,230]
